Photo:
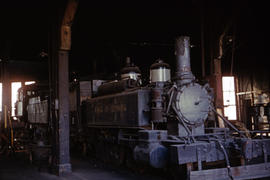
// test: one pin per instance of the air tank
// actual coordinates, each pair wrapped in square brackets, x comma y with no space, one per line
[160,72]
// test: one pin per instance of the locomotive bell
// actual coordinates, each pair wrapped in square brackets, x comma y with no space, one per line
[160,72]
[130,71]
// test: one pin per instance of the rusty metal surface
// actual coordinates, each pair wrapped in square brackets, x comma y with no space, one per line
[182,53]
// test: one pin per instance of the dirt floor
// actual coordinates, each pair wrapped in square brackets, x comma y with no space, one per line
[18,169]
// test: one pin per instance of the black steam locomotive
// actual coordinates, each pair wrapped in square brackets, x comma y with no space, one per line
[163,124]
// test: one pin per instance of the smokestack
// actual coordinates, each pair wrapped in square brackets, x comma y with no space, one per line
[182,53]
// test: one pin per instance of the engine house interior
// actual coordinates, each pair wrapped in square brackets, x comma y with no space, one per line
[163,90]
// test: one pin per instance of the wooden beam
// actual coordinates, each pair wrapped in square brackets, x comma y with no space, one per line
[67,21]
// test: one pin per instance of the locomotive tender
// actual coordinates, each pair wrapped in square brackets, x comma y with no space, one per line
[164,124]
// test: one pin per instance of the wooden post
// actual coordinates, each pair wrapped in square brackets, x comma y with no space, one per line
[61,85]
[6,92]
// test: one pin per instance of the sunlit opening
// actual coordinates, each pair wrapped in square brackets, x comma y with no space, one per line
[230,112]
[14,91]
[1,96]
[29,82]
[229,101]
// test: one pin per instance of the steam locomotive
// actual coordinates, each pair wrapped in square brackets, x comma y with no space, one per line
[32,127]
[163,125]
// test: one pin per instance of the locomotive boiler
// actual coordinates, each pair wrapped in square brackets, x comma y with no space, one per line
[163,125]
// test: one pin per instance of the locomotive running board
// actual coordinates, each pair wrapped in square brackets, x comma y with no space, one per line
[238,173]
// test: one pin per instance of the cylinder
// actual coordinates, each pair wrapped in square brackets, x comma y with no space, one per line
[183,68]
